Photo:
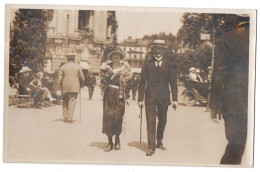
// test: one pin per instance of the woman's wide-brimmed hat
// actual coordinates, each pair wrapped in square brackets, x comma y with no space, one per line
[116,51]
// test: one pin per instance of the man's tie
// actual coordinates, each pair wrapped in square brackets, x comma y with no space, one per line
[158,64]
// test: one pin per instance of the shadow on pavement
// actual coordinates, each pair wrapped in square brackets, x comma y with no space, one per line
[62,120]
[196,105]
[143,146]
[100,145]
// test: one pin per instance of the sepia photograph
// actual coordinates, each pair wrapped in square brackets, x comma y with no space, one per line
[129,85]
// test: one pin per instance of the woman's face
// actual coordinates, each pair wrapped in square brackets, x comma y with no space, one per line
[116,57]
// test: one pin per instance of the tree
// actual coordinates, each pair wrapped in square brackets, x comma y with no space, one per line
[27,40]
[196,23]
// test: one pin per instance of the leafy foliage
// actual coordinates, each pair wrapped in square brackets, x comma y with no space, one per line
[196,23]
[27,40]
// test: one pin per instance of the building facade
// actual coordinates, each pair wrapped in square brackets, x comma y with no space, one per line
[82,32]
[135,51]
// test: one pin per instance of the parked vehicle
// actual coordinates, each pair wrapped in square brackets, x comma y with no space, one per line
[194,92]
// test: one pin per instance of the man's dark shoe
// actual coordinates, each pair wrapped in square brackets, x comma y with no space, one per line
[161,147]
[150,152]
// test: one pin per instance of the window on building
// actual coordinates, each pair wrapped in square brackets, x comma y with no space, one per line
[124,49]
[135,56]
[83,20]
[130,49]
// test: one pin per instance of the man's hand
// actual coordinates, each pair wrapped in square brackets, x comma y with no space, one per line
[174,105]
[140,104]
[215,115]
[58,93]
[28,89]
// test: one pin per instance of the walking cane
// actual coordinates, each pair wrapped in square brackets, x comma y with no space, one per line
[141,114]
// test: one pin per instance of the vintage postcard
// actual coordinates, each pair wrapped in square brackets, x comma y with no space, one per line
[129,85]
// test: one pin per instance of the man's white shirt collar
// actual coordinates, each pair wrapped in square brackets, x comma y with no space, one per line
[158,61]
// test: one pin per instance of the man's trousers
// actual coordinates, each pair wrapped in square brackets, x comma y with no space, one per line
[236,134]
[69,103]
[153,110]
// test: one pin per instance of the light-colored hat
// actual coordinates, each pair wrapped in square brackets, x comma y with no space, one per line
[158,43]
[192,69]
[25,69]
[197,71]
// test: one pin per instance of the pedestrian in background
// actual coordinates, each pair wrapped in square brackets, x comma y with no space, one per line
[156,75]
[91,83]
[229,91]
[70,80]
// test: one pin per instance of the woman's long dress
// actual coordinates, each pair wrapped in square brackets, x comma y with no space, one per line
[113,107]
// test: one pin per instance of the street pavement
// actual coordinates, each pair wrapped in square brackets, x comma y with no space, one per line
[40,135]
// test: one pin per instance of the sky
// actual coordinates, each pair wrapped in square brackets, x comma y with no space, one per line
[139,23]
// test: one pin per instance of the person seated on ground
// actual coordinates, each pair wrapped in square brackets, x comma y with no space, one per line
[192,75]
[46,95]
[25,88]
[47,81]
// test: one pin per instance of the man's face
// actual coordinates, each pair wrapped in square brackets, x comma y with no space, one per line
[157,51]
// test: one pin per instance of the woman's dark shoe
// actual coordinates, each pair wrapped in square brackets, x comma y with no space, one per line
[117,146]
[117,143]
[109,147]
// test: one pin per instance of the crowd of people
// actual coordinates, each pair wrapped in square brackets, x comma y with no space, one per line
[42,87]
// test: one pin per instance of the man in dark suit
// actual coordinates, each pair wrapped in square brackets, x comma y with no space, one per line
[229,91]
[156,75]
[70,80]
